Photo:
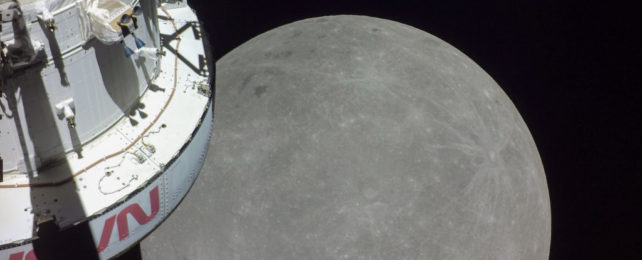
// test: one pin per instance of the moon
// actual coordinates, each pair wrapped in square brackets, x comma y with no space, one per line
[360,138]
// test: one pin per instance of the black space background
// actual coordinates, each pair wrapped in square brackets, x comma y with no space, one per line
[573,71]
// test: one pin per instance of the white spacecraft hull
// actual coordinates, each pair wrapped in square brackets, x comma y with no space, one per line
[124,175]
[157,200]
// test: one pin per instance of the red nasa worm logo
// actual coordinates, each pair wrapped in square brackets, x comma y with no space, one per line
[18,256]
[123,227]
[120,220]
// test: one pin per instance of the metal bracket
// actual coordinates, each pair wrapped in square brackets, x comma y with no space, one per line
[67,110]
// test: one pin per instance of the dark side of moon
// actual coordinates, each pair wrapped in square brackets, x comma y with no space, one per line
[360,138]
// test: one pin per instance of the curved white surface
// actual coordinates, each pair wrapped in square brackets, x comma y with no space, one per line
[121,227]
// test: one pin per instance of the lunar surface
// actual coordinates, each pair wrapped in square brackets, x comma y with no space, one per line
[360,138]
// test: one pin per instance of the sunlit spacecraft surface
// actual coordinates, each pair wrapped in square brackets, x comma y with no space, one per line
[105,118]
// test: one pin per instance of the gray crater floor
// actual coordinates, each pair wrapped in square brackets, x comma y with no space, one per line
[360,138]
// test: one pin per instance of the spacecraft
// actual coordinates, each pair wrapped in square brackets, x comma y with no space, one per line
[105,118]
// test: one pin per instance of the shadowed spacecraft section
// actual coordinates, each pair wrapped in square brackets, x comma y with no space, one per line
[357,137]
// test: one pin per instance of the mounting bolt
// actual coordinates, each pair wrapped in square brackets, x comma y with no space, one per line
[51,25]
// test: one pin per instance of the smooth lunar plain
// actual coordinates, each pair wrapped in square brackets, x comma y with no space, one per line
[350,137]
